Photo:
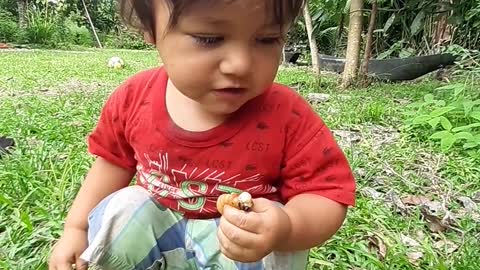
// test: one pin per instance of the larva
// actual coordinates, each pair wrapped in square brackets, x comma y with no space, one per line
[242,201]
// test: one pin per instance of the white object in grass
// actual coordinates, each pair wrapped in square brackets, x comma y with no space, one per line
[115,62]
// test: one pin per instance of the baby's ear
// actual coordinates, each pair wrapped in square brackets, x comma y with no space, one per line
[148,37]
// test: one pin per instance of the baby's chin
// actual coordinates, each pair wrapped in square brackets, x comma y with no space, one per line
[225,111]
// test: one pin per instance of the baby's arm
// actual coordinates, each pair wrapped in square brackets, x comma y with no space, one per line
[318,183]
[314,219]
[102,179]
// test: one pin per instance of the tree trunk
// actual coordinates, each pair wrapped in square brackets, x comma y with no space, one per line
[311,39]
[354,42]
[341,24]
[441,25]
[368,45]
[22,13]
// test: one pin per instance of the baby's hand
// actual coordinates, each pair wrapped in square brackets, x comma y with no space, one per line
[68,250]
[250,236]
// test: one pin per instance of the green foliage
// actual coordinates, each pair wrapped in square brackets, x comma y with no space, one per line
[8,26]
[44,29]
[78,35]
[125,39]
[10,6]
[45,25]
[453,119]
[468,62]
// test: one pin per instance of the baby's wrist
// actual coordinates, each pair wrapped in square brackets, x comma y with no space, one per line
[285,231]
[74,226]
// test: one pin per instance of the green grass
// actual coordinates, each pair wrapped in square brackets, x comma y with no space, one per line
[50,100]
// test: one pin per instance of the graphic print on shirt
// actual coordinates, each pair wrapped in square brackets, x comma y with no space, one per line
[195,188]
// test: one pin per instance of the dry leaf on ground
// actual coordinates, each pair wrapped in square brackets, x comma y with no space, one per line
[446,245]
[434,208]
[318,97]
[467,203]
[476,196]
[414,257]
[413,246]
[377,245]
[349,136]
[435,223]
[371,193]
[392,199]
[360,172]
[415,199]
[420,235]
[381,135]
[408,241]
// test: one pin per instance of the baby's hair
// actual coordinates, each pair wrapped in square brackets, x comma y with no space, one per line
[139,13]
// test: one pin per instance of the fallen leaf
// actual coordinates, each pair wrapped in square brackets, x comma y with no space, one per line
[415,199]
[349,136]
[414,256]
[392,198]
[346,138]
[388,171]
[462,213]
[448,246]
[467,203]
[476,197]
[435,223]
[376,244]
[371,193]
[382,135]
[360,172]
[420,235]
[318,97]
[408,241]
[380,180]
[434,207]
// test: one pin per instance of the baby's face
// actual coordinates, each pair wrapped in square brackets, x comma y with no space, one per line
[220,53]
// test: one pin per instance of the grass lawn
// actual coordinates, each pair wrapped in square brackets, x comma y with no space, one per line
[50,100]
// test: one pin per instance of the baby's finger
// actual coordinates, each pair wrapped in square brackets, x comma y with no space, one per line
[248,221]
[237,235]
[81,265]
[234,251]
[63,266]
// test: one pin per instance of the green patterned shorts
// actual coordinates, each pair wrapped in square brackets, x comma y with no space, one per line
[130,230]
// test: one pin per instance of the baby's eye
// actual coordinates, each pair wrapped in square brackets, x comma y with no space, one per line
[269,40]
[207,40]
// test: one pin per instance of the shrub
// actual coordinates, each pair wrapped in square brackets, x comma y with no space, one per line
[8,27]
[452,118]
[78,35]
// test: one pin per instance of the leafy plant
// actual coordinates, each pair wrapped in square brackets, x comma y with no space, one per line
[45,26]
[452,120]
[78,35]
[8,26]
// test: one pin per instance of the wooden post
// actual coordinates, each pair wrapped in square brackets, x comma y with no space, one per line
[91,25]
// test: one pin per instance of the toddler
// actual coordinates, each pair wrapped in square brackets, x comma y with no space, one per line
[209,121]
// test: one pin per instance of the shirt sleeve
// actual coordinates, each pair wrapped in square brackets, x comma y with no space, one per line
[314,163]
[108,139]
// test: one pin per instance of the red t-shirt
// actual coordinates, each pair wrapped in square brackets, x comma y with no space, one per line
[275,146]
